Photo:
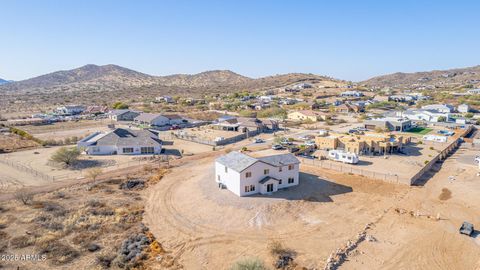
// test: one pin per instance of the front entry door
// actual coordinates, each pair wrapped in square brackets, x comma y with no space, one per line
[270,188]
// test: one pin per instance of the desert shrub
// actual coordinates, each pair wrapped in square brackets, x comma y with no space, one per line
[47,222]
[132,250]
[93,173]
[93,247]
[59,195]
[3,236]
[94,203]
[276,248]
[21,241]
[66,156]
[84,238]
[147,168]
[249,264]
[24,196]
[54,208]
[58,253]
[105,261]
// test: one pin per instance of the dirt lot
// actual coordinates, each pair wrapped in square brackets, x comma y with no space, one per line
[33,168]
[207,228]
[62,130]
[12,142]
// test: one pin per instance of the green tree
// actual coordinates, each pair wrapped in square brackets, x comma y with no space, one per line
[66,155]
[119,105]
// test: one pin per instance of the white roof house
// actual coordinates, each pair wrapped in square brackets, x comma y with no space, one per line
[151,119]
[70,109]
[474,91]
[423,115]
[351,94]
[463,108]
[443,108]
[245,175]
[122,141]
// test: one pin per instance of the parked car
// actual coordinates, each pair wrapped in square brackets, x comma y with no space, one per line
[306,156]
[310,143]
[259,141]
[286,142]
[277,147]
[306,137]
[293,149]
[467,228]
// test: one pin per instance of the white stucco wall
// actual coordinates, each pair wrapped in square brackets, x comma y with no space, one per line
[236,182]
[110,149]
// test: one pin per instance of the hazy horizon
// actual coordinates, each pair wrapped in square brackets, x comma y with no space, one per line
[345,40]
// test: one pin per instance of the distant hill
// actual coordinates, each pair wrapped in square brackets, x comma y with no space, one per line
[435,78]
[2,81]
[113,77]
[92,84]
[108,75]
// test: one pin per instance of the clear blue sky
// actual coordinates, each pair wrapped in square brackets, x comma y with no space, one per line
[351,40]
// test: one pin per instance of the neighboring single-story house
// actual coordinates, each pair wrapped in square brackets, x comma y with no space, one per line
[424,115]
[123,115]
[244,124]
[307,115]
[70,109]
[174,119]
[347,108]
[463,108]
[151,120]
[388,123]
[442,108]
[245,175]
[351,94]
[122,142]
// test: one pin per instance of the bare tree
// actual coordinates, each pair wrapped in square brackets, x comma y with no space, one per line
[94,173]
[24,196]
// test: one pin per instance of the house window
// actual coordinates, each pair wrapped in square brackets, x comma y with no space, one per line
[280,181]
[226,169]
[266,171]
[291,180]
[128,150]
[290,167]
[248,174]
[218,177]
[280,169]
[147,150]
[249,188]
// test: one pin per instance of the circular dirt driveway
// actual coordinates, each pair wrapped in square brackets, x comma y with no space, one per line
[209,228]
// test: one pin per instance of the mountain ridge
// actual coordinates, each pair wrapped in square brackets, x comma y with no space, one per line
[436,78]
[113,76]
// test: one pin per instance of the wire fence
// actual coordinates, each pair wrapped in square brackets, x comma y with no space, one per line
[340,167]
[28,170]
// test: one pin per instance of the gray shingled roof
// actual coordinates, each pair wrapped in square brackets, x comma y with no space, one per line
[236,161]
[147,117]
[129,137]
[280,160]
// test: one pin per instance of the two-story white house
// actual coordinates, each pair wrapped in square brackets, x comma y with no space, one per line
[245,175]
